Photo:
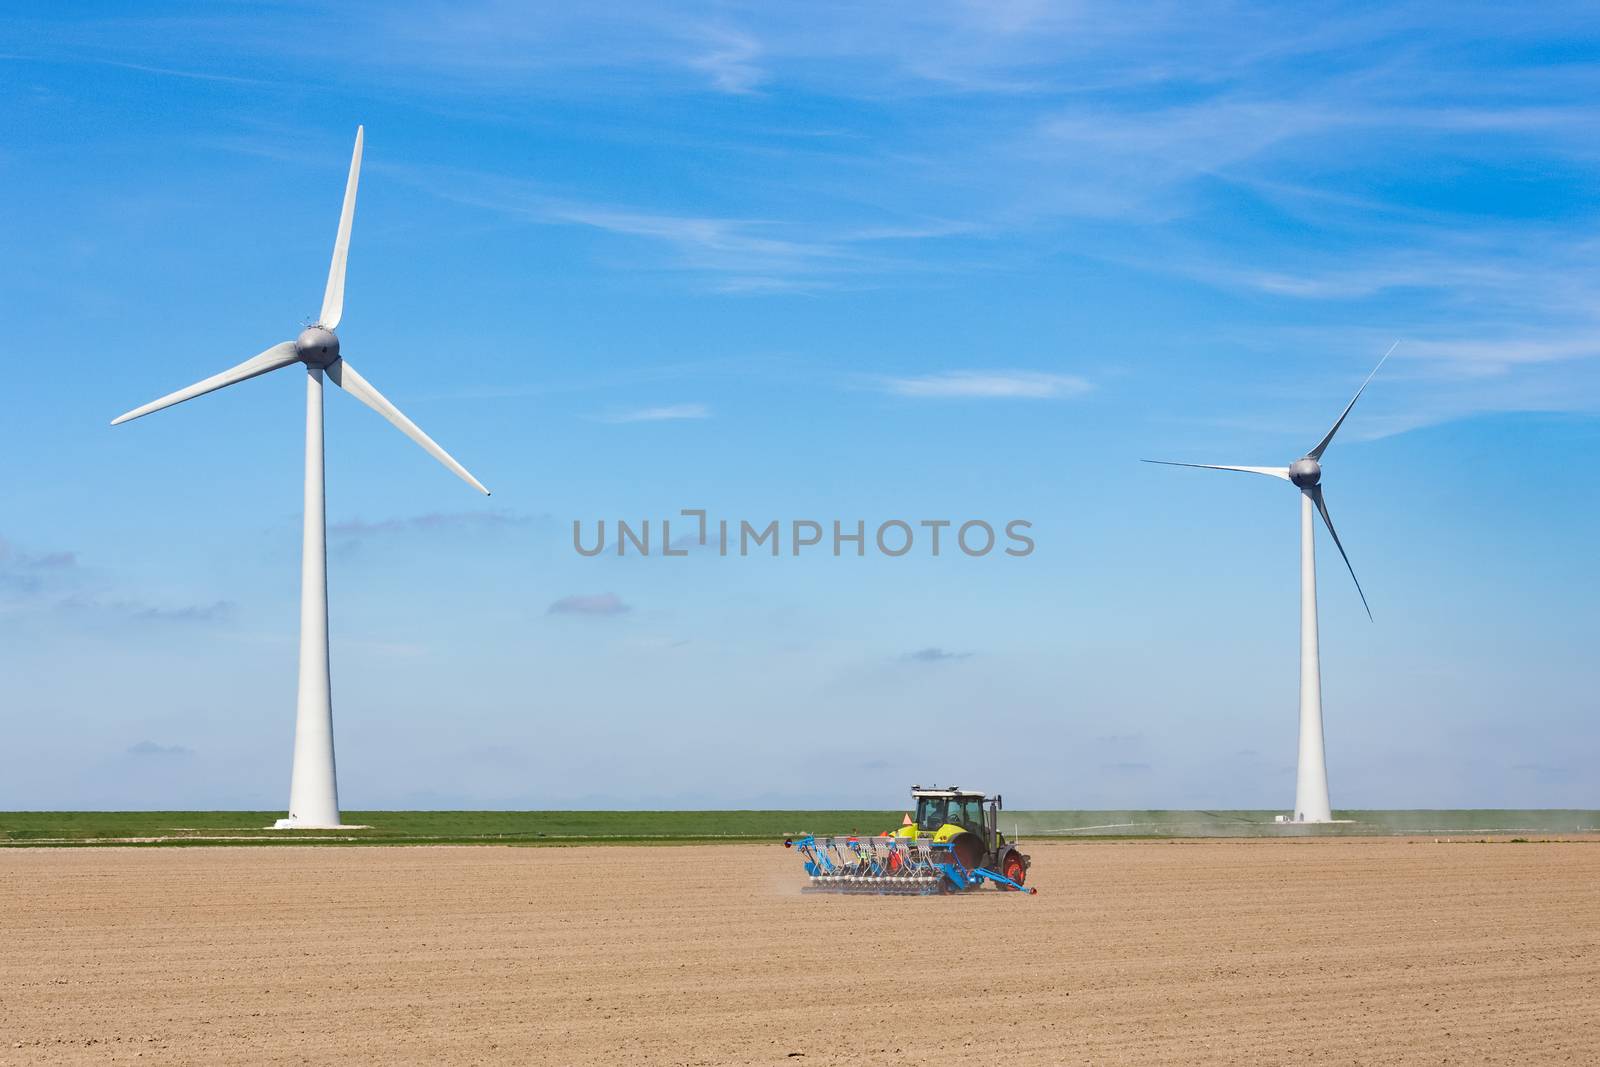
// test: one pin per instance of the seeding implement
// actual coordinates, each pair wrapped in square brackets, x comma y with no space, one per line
[954,844]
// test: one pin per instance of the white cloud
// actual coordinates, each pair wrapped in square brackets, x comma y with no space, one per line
[666,413]
[151,748]
[433,520]
[729,61]
[744,254]
[592,604]
[935,655]
[1384,159]
[1029,385]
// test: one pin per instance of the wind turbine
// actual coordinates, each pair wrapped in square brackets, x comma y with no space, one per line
[1311,780]
[313,787]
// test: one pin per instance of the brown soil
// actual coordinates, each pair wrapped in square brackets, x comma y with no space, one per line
[1344,951]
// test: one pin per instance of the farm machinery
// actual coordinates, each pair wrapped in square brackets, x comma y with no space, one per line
[952,845]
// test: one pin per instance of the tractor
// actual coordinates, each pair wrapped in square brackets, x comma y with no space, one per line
[952,845]
[970,822]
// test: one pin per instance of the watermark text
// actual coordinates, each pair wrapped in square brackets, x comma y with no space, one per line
[893,538]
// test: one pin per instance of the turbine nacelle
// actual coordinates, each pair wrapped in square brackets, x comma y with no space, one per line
[1304,473]
[316,346]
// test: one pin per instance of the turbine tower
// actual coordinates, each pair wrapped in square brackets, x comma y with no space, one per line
[1311,780]
[313,786]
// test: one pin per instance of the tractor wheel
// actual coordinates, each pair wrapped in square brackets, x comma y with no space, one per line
[1014,869]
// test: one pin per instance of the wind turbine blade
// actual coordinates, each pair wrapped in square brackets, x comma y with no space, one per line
[1271,472]
[333,297]
[279,355]
[346,378]
[1322,445]
[1316,498]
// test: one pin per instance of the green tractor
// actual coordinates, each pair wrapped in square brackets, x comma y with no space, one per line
[970,822]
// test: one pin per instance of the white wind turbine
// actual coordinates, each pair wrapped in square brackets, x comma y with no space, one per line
[1311,780]
[313,788]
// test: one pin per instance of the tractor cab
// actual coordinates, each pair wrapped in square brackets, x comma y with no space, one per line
[938,808]
[969,810]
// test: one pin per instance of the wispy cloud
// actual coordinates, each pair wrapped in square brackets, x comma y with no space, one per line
[151,748]
[592,604]
[12,556]
[1089,127]
[730,61]
[431,521]
[935,655]
[24,571]
[40,584]
[217,611]
[660,414]
[165,72]
[1029,385]
[739,254]
[1484,356]
[1377,154]
[1126,767]
[220,611]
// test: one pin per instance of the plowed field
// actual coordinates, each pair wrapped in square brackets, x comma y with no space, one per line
[1340,951]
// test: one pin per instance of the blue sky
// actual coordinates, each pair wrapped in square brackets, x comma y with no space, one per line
[840,262]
